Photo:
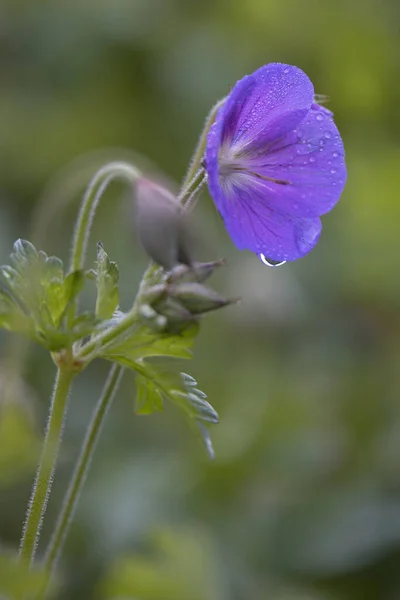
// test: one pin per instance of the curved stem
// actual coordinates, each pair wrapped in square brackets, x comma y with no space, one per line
[198,155]
[82,466]
[90,202]
[44,476]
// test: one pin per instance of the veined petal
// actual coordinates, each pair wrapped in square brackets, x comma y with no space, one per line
[254,226]
[303,173]
[270,102]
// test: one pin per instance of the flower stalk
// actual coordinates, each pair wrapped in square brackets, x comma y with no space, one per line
[45,473]
[82,466]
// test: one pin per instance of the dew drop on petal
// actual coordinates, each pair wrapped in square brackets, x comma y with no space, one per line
[319,117]
[333,171]
[271,263]
[312,159]
[335,154]
[327,134]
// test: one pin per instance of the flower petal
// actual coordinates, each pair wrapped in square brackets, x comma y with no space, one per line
[270,102]
[310,162]
[254,226]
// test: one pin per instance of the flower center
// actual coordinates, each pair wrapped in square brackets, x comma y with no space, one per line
[233,167]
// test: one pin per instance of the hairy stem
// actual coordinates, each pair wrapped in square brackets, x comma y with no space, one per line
[88,350]
[90,202]
[82,466]
[190,200]
[44,476]
[198,154]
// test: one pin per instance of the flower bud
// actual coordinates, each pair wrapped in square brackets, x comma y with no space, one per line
[197,298]
[197,272]
[161,225]
[155,294]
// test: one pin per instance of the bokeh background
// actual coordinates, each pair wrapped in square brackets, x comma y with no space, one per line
[303,499]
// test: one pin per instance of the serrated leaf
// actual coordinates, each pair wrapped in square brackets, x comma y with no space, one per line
[55,300]
[155,382]
[143,342]
[34,296]
[24,255]
[148,397]
[107,285]
[84,325]
[54,267]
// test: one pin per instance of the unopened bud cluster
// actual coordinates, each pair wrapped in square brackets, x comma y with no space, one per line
[181,297]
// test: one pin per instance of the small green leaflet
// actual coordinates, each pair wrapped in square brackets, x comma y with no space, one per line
[107,285]
[156,383]
[35,295]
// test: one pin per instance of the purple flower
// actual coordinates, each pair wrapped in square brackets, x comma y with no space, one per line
[275,163]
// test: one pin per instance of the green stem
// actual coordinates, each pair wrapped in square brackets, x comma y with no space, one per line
[82,466]
[90,202]
[44,476]
[198,155]
[188,190]
[109,335]
[190,200]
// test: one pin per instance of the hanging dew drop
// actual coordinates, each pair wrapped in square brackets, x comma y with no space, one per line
[271,263]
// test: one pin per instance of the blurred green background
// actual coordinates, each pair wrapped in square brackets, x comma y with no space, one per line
[303,499]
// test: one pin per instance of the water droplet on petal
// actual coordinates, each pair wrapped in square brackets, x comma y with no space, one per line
[286,70]
[335,154]
[319,117]
[312,159]
[327,134]
[271,263]
[333,171]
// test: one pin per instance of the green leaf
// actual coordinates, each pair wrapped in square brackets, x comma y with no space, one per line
[107,285]
[35,295]
[148,396]
[155,383]
[73,284]
[83,325]
[143,342]
[18,580]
